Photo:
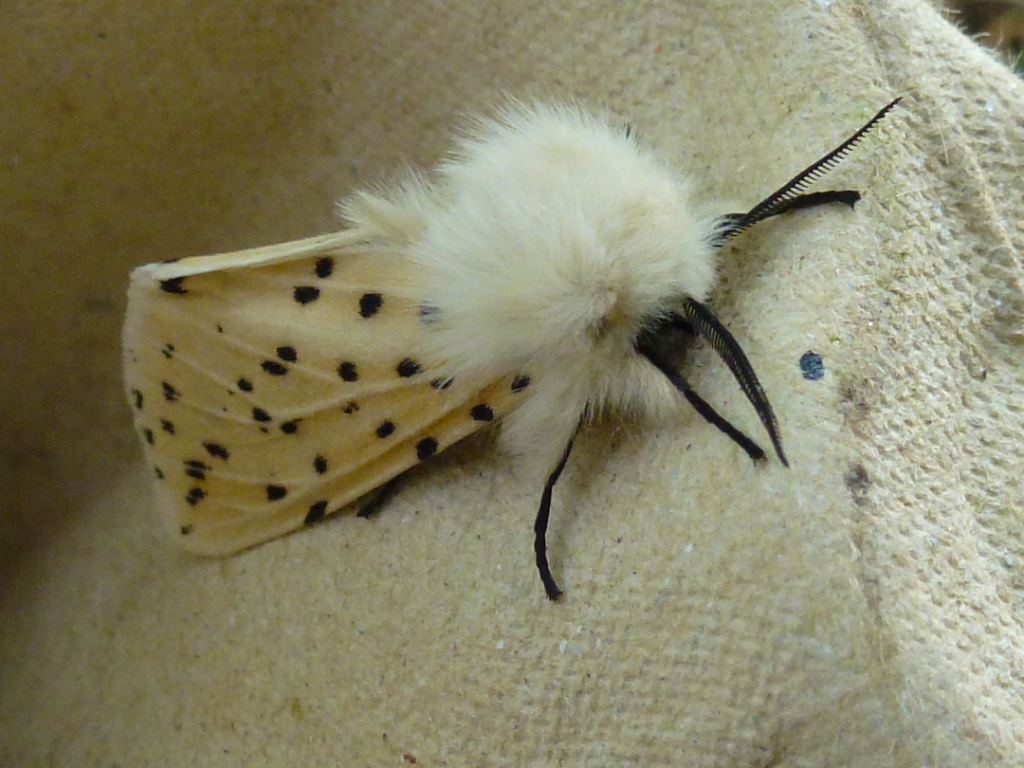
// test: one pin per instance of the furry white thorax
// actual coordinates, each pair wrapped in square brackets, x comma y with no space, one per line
[544,244]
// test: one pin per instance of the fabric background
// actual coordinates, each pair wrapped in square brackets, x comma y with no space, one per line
[860,609]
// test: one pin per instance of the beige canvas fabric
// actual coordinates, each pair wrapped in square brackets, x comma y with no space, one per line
[862,608]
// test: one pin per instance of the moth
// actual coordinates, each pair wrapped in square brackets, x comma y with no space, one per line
[537,278]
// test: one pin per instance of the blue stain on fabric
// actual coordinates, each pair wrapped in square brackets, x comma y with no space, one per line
[812,366]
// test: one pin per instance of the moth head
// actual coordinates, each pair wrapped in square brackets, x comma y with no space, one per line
[557,233]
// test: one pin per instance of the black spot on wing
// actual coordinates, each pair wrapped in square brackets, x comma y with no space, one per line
[429,314]
[482,412]
[320,465]
[159,473]
[173,285]
[348,372]
[351,407]
[217,450]
[194,496]
[408,368]
[370,304]
[187,529]
[276,492]
[167,426]
[291,427]
[519,383]
[168,351]
[324,266]
[274,368]
[260,415]
[288,354]
[306,294]
[170,393]
[316,511]
[147,435]
[245,385]
[137,399]
[196,469]
[426,448]
[385,429]
[441,383]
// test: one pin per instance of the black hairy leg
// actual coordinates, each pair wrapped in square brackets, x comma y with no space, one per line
[700,318]
[752,449]
[376,498]
[540,526]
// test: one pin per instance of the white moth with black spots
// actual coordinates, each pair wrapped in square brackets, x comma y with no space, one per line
[534,280]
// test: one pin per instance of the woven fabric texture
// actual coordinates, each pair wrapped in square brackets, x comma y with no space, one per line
[862,608]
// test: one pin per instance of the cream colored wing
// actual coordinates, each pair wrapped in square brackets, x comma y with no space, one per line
[273,386]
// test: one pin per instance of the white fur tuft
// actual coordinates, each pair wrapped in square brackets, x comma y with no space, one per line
[546,242]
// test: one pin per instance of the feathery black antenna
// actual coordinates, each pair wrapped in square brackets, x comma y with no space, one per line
[788,197]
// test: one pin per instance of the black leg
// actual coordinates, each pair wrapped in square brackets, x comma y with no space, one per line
[703,321]
[731,224]
[540,527]
[376,498]
[848,197]
[752,449]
